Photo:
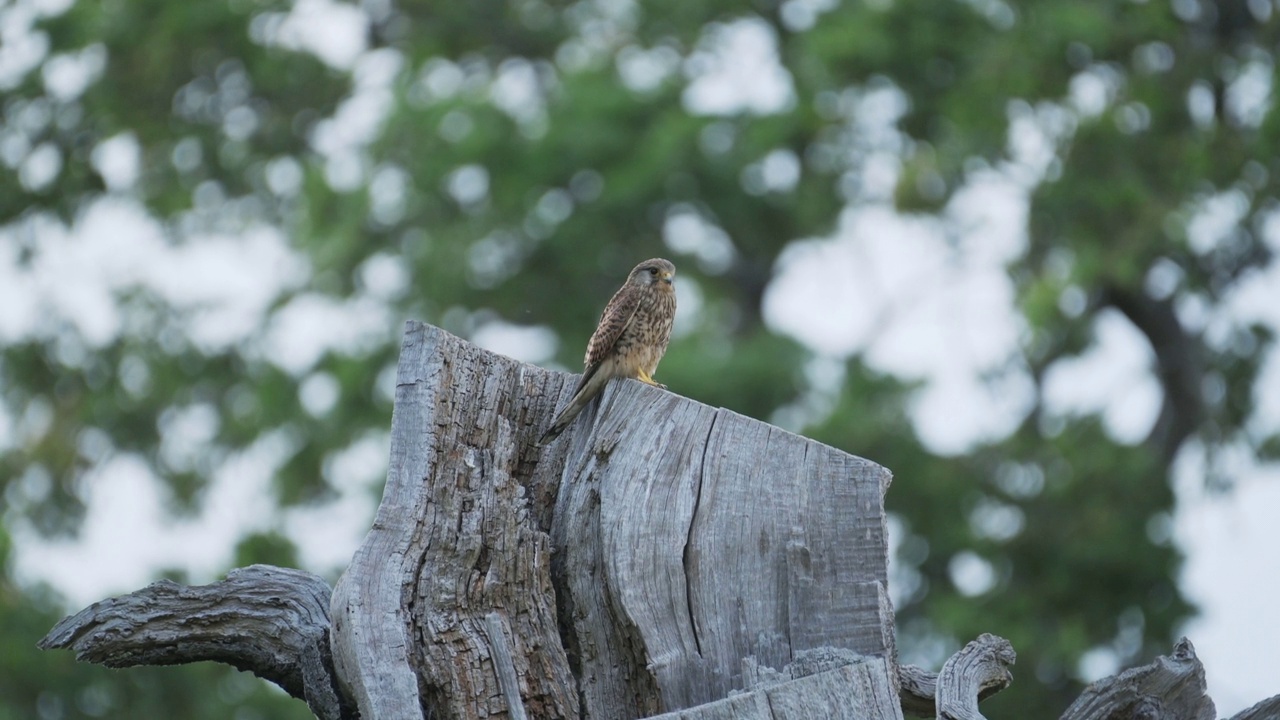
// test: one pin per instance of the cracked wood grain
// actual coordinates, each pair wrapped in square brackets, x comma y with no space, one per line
[1172,686]
[979,669]
[454,541]
[821,684]
[626,569]
[679,539]
[500,651]
[659,557]
[689,538]
[273,622]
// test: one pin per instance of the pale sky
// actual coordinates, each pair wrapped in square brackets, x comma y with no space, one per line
[927,300]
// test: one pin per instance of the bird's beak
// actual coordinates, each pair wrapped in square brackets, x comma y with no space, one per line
[666,278]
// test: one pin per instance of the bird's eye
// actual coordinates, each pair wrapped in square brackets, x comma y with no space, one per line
[653,271]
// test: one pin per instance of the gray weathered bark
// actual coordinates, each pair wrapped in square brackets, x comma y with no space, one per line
[453,559]
[673,540]
[271,621]
[825,683]
[1171,687]
[980,668]
[688,538]
[978,671]
[1268,709]
[658,556]
[917,691]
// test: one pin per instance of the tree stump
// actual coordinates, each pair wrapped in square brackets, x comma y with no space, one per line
[662,556]
[662,559]
[663,540]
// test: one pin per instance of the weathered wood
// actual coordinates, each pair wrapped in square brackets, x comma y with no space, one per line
[787,550]
[1268,709]
[917,691]
[1171,687]
[616,576]
[452,542]
[685,538]
[688,538]
[824,685]
[807,662]
[854,692]
[746,706]
[979,669]
[918,688]
[273,622]
[694,550]
[504,666]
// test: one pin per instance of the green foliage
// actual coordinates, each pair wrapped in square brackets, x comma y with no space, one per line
[573,184]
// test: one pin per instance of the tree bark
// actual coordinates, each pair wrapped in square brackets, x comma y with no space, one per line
[681,540]
[824,683]
[658,557]
[453,553]
[662,557]
[975,673]
[273,622]
[1171,687]
[979,669]
[1268,709]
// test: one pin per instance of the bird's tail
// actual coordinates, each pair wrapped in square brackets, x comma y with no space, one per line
[590,386]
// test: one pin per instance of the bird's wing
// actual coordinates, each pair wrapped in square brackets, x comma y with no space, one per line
[617,316]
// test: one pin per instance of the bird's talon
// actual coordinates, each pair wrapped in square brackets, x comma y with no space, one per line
[647,380]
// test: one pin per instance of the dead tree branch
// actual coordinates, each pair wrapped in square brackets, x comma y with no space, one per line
[1172,686]
[979,669]
[975,673]
[270,621]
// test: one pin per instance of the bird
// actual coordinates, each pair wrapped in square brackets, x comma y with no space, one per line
[629,340]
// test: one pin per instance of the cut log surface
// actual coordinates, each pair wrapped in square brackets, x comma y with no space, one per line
[639,558]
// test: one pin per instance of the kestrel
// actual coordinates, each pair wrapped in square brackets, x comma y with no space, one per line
[630,339]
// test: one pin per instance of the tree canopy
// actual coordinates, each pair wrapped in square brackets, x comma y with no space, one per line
[214,216]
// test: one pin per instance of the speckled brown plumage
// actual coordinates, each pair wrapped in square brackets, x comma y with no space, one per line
[630,339]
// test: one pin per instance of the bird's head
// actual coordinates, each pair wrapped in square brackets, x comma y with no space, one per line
[653,272]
